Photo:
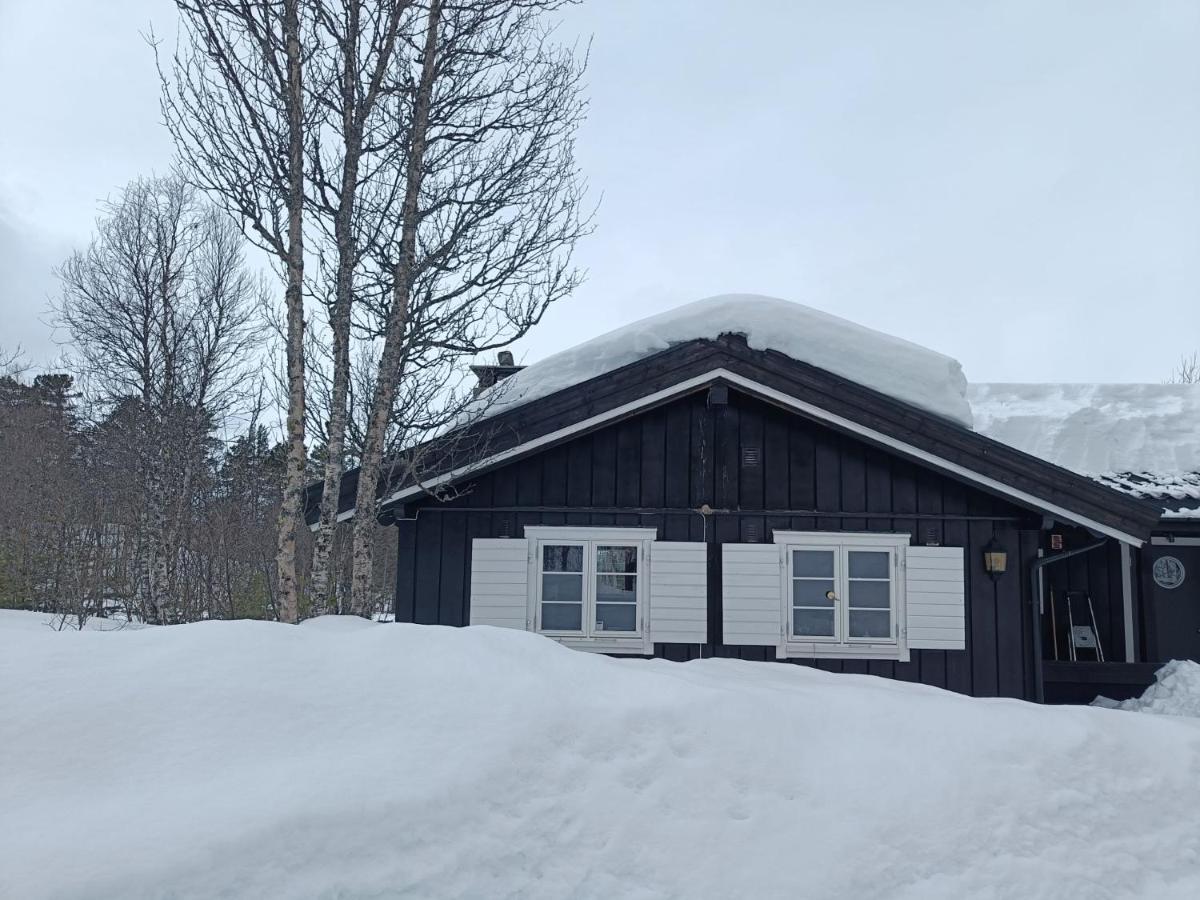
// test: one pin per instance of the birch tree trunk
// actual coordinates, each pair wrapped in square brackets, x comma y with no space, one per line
[397,325]
[290,511]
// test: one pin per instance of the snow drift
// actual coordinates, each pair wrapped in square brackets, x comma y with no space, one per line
[348,759]
[1175,692]
[890,365]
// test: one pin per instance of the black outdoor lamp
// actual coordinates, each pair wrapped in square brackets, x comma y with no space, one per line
[995,559]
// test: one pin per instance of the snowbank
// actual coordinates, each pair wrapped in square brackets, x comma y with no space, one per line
[1140,438]
[19,619]
[888,364]
[1175,692]
[346,759]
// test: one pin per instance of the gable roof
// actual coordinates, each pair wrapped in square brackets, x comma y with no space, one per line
[1141,439]
[801,387]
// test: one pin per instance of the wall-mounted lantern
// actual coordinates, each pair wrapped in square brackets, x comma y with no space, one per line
[995,559]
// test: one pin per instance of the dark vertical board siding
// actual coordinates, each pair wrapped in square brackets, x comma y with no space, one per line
[629,463]
[1115,600]
[453,580]
[827,465]
[955,534]
[406,536]
[775,464]
[579,478]
[879,489]
[504,493]
[653,479]
[604,468]
[854,485]
[554,477]
[677,455]
[802,475]
[751,490]
[981,595]
[724,531]
[1029,542]
[725,456]
[1010,636]
[702,451]
[426,607]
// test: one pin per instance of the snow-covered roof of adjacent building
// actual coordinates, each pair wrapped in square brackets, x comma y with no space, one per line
[1143,439]
[893,366]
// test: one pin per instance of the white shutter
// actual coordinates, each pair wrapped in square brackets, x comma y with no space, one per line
[500,582]
[935,597]
[751,594]
[678,610]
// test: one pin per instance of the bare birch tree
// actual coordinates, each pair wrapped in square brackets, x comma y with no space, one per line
[490,206]
[1187,371]
[358,44]
[158,308]
[234,103]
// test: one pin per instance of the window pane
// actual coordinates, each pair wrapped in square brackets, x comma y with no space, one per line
[562,558]
[874,594]
[616,559]
[562,616]
[812,622]
[873,623]
[811,593]
[562,588]
[616,588]
[616,617]
[812,563]
[869,564]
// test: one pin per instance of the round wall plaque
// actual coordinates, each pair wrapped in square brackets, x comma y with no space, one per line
[1169,572]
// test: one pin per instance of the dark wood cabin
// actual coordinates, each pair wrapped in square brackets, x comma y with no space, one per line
[716,500]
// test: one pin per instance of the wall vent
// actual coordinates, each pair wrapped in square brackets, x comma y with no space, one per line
[753,534]
[751,457]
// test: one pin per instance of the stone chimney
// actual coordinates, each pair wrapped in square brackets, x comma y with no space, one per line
[489,375]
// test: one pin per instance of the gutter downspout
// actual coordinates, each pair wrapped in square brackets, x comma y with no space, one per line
[1035,571]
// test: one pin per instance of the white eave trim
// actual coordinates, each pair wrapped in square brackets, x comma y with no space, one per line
[786,400]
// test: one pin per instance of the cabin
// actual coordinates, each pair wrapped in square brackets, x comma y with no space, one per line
[746,477]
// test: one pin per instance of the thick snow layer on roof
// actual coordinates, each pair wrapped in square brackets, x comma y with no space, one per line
[890,365]
[228,759]
[1143,439]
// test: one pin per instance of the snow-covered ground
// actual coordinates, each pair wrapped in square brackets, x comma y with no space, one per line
[349,759]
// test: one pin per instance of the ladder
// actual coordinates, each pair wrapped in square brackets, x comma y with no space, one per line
[1084,636]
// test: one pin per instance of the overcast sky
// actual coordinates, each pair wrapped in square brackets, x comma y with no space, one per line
[1016,184]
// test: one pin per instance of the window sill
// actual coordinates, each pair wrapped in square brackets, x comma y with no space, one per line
[818,650]
[634,644]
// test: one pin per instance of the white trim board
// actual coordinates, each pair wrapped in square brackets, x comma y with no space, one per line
[766,393]
[1127,602]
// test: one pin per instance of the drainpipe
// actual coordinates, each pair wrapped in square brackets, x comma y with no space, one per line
[1035,570]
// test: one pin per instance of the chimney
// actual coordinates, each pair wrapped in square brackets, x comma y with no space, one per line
[488,375]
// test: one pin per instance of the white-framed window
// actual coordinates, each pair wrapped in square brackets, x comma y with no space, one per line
[590,584]
[843,593]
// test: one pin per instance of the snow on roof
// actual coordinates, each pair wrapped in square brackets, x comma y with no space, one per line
[1143,439]
[890,365]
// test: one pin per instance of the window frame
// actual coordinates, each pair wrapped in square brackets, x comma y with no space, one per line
[841,644]
[588,637]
